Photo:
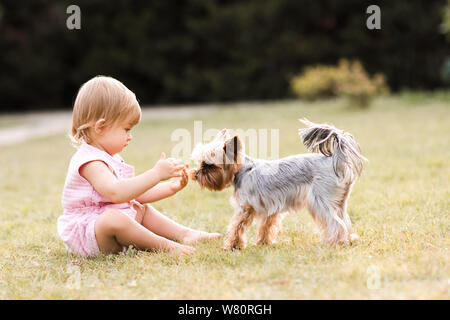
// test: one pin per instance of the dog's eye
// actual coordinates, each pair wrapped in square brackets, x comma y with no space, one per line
[206,165]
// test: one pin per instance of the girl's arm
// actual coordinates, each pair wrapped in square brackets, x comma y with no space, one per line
[164,190]
[118,191]
[158,192]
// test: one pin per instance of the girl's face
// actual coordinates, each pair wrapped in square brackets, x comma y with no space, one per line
[113,139]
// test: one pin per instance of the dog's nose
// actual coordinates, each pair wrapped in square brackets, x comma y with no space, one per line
[193,173]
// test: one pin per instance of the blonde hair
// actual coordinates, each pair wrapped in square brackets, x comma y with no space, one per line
[102,98]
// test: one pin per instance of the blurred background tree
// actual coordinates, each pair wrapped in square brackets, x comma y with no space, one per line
[446,20]
[215,50]
[445,27]
[348,79]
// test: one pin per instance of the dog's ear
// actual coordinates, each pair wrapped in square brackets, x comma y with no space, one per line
[224,134]
[232,148]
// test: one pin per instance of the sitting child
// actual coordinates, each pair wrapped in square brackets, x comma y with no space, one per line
[105,206]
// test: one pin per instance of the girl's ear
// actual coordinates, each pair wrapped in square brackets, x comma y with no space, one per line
[98,126]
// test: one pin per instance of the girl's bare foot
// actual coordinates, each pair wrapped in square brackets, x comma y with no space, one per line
[181,250]
[195,236]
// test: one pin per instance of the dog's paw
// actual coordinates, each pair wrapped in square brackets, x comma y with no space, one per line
[230,248]
[227,247]
[353,237]
[266,242]
[232,245]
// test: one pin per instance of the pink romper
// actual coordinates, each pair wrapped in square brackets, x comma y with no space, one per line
[82,204]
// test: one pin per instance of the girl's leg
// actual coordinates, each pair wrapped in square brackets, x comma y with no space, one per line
[160,224]
[114,229]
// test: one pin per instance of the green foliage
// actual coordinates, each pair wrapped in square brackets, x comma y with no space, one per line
[445,26]
[196,50]
[348,79]
[445,72]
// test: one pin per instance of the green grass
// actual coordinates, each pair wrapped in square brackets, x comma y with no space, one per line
[8,121]
[400,209]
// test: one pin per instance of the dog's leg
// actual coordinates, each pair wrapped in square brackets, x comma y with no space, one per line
[268,228]
[349,235]
[342,209]
[352,235]
[241,220]
[333,227]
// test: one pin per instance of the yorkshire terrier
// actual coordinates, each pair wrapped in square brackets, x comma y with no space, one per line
[266,190]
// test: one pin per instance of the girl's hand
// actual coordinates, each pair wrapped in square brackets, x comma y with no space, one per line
[178,183]
[168,168]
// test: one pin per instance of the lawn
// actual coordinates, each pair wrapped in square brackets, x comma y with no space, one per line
[400,208]
[12,121]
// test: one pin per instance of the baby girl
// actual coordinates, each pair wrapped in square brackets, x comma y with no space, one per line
[106,207]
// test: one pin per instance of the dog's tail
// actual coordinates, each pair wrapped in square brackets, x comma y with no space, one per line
[335,143]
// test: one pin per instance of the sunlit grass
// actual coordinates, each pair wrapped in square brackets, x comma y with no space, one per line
[8,121]
[400,207]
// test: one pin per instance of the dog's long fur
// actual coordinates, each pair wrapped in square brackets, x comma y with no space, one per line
[266,190]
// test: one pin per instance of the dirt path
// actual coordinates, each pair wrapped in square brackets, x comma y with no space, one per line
[40,124]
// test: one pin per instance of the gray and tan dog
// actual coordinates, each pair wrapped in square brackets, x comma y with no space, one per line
[266,190]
